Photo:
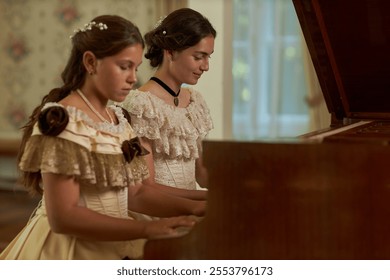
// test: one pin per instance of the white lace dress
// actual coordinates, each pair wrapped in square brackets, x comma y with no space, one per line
[176,134]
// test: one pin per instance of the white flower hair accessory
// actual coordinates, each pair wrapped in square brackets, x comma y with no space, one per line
[89,26]
[158,23]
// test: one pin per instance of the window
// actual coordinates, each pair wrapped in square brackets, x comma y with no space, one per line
[269,87]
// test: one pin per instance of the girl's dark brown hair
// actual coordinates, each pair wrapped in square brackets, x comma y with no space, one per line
[120,33]
[181,29]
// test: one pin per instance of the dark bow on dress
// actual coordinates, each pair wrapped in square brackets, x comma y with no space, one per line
[132,148]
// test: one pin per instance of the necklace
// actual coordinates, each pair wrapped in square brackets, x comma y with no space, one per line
[103,119]
[168,89]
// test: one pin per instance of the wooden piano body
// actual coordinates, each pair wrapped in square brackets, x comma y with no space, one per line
[322,196]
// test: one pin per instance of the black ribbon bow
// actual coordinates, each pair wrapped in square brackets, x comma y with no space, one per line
[133,148]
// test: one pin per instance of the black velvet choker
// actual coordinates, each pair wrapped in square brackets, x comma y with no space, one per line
[168,89]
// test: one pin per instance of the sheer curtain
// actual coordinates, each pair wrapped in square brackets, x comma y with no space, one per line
[318,112]
[270,93]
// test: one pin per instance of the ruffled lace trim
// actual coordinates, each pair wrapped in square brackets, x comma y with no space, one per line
[177,132]
[55,155]
[102,126]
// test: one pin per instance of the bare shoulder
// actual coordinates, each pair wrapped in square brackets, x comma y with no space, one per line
[74,100]
[70,100]
[148,86]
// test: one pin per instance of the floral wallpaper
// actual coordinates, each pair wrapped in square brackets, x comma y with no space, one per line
[34,46]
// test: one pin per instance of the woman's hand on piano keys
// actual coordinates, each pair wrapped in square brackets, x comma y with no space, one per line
[169,227]
[199,209]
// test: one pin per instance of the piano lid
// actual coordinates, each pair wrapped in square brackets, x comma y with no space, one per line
[349,43]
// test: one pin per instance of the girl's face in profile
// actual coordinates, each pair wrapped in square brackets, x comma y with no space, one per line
[116,75]
[188,65]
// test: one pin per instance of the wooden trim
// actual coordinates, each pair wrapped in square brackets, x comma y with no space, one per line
[9,147]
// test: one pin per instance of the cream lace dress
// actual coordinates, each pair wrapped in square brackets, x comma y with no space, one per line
[91,152]
[176,134]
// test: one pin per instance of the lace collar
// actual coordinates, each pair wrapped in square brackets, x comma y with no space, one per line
[78,114]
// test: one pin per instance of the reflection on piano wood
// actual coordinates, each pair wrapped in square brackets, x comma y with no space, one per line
[368,132]
[292,200]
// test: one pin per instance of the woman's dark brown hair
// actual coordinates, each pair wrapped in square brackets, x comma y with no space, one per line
[120,33]
[181,29]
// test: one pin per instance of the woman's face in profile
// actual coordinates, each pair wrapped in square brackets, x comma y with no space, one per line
[188,65]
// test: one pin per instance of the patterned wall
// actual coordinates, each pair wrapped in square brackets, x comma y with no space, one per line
[34,46]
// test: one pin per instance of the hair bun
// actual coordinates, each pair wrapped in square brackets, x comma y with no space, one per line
[53,120]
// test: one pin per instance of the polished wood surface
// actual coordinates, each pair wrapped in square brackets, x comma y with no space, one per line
[293,200]
[9,147]
[348,42]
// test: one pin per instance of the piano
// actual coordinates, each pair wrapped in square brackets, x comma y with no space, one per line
[324,195]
